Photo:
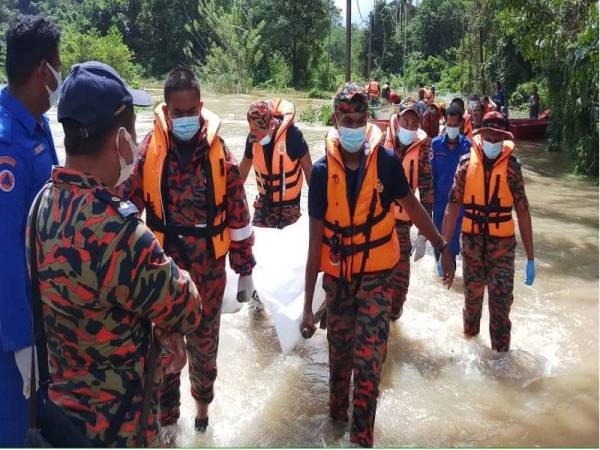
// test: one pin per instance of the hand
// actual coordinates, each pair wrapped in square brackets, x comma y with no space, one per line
[245,289]
[419,247]
[439,267]
[307,326]
[448,267]
[23,360]
[175,356]
[530,273]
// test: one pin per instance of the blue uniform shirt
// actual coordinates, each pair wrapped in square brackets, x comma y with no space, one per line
[444,162]
[27,154]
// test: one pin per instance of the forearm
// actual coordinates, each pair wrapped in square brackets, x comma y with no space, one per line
[241,257]
[421,218]
[526,230]
[244,168]
[306,164]
[450,218]
[312,262]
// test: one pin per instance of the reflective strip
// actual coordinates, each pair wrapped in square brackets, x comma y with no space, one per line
[240,234]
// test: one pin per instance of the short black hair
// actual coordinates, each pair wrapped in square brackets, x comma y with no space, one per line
[76,144]
[181,79]
[458,100]
[29,40]
[454,111]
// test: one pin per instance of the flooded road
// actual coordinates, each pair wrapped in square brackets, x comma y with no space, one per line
[437,389]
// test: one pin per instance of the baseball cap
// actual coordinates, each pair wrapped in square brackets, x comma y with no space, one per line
[495,118]
[94,94]
[350,97]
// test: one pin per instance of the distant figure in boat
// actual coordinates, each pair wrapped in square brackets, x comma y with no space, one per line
[534,104]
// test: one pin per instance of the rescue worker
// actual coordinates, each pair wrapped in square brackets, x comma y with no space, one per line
[432,118]
[446,151]
[429,97]
[352,240]
[500,99]
[27,154]
[103,275]
[374,91]
[189,183]
[421,99]
[279,153]
[385,92]
[489,185]
[412,146]
[488,104]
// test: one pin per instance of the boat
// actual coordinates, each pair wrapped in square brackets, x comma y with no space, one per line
[528,129]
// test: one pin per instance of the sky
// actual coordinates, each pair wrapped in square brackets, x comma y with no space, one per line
[364,5]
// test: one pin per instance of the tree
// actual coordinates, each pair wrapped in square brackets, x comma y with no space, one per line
[237,48]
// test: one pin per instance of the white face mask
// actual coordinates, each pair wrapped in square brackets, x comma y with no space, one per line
[452,132]
[266,140]
[492,150]
[54,95]
[125,168]
[406,137]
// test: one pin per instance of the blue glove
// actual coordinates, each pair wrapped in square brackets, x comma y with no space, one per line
[439,267]
[530,273]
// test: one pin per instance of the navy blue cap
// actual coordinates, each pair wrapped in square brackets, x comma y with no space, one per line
[93,95]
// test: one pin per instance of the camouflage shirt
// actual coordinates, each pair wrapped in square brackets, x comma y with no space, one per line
[103,277]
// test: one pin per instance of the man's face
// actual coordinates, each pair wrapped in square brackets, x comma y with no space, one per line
[454,121]
[184,103]
[477,114]
[350,119]
[409,121]
[257,133]
[428,97]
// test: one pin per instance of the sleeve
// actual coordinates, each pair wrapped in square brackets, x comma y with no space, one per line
[426,178]
[248,148]
[137,276]
[457,191]
[392,174]
[241,257]
[317,190]
[295,143]
[15,309]
[132,189]
[516,183]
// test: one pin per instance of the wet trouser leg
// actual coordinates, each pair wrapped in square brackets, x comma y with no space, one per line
[474,284]
[357,331]
[13,405]
[500,277]
[401,273]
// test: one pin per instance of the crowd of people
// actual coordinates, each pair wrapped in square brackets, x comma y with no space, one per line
[99,292]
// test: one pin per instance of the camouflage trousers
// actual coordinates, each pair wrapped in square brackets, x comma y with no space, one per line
[490,264]
[272,217]
[357,332]
[202,344]
[401,274]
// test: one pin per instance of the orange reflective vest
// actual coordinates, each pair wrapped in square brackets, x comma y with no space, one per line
[216,229]
[373,89]
[280,180]
[410,162]
[468,127]
[365,242]
[487,200]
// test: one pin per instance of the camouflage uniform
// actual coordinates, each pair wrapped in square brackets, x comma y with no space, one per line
[186,203]
[103,278]
[489,261]
[401,275]
[357,332]
[270,217]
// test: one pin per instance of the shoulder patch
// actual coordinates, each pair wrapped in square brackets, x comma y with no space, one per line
[7,160]
[126,209]
[465,157]
[7,180]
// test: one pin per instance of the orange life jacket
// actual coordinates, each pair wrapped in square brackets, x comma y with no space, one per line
[280,180]
[488,201]
[373,88]
[410,162]
[468,127]
[365,242]
[216,230]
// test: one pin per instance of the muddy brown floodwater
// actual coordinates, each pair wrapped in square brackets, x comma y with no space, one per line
[437,388]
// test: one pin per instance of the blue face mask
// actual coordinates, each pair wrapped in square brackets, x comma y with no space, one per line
[185,128]
[353,139]
[492,150]
[54,95]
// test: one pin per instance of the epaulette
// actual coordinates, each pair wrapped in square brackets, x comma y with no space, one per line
[126,209]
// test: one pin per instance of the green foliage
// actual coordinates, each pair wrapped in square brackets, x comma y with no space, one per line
[422,70]
[320,94]
[322,115]
[519,98]
[234,57]
[78,47]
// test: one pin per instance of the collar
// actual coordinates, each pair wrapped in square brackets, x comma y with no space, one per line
[62,175]
[18,110]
